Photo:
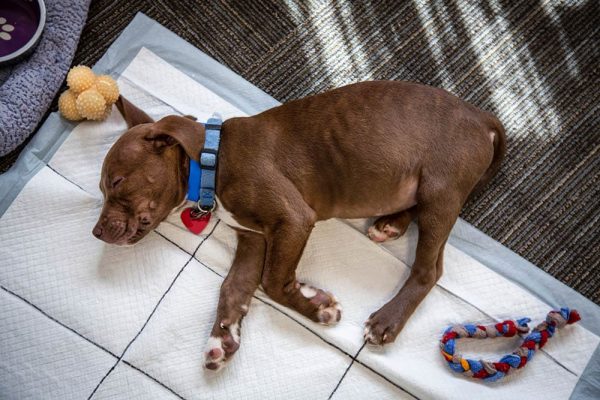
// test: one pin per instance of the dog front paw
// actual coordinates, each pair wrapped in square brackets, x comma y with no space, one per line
[222,346]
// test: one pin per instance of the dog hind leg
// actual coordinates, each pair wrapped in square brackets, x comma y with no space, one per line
[436,216]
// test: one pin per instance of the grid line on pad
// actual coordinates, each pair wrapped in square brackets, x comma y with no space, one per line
[147,375]
[44,313]
[90,341]
[67,179]
[153,312]
[346,371]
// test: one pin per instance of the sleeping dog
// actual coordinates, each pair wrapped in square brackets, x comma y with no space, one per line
[393,150]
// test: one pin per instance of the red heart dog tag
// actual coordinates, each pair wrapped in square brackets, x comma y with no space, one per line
[194,224]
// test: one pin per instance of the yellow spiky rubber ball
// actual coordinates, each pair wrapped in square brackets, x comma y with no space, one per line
[108,88]
[80,78]
[89,96]
[107,111]
[67,106]
[91,105]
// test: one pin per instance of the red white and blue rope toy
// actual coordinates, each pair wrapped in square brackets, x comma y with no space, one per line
[493,371]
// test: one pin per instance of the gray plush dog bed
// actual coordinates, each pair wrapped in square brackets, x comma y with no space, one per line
[27,88]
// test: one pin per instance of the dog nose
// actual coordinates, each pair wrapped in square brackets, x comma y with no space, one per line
[97,231]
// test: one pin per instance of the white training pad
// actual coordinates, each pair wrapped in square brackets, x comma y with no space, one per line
[277,358]
[125,382]
[154,304]
[42,359]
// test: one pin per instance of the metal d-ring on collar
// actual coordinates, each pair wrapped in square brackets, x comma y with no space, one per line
[199,211]
[202,176]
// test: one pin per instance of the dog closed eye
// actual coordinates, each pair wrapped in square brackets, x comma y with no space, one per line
[116,181]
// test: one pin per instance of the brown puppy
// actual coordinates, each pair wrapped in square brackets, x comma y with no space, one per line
[394,150]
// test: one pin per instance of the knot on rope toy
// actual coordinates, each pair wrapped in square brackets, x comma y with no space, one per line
[494,371]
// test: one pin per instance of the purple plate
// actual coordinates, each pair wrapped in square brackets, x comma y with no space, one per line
[21,26]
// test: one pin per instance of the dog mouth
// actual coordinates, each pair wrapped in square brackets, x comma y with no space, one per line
[121,233]
[137,236]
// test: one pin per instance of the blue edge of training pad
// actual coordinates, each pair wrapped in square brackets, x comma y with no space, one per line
[145,32]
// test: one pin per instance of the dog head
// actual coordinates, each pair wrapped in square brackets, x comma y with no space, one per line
[144,175]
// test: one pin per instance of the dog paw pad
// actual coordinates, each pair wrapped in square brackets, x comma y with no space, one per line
[215,354]
[220,349]
[388,232]
[330,315]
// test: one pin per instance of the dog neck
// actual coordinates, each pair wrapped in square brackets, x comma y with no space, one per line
[202,174]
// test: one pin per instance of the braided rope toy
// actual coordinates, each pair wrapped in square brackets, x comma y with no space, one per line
[494,371]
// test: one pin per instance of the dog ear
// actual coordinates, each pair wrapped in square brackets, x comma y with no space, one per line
[132,115]
[174,130]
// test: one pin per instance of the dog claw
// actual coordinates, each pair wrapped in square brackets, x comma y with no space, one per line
[371,340]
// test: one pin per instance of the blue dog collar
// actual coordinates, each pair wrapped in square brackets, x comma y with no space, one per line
[203,174]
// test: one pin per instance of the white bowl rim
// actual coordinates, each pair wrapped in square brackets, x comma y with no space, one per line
[33,39]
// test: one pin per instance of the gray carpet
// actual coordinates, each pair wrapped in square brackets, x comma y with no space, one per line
[535,64]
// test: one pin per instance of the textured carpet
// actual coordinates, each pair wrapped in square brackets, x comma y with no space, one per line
[535,64]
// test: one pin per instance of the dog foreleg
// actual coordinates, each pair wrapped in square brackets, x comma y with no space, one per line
[236,293]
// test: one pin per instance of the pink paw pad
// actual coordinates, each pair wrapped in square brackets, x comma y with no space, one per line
[330,315]
[387,233]
[215,354]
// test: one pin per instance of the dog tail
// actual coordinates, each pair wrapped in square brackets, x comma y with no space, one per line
[499,142]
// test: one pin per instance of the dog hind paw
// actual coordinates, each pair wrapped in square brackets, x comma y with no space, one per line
[386,233]
[329,311]
[330,315]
